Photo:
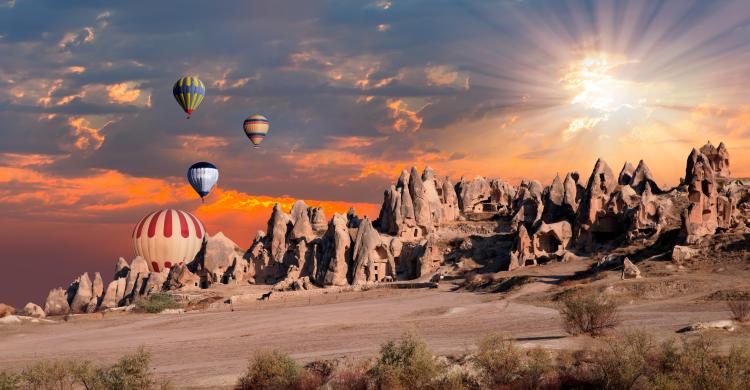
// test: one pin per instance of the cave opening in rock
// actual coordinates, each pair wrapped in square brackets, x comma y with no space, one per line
[549,243]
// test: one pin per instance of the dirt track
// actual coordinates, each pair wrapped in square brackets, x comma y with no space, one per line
[210,349]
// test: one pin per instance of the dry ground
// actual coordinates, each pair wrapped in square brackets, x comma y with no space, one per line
[210,348]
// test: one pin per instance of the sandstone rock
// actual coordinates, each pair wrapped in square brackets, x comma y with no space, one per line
[32,310]
[430,258]
[109,300]
[9,320]
[277,228]
[719,158]
[371,258]
[449,200]
[643,178]
[84,294]
[121,269]
[501,197]
[626,174]
[680,254]
[609,261]
[528,204]
[180,277]
[552,239]
[589,218]
[220,253]
[122,286]
[523,249]
[56,303]
[629,270]
[472,194]
[301,227]
[339,244]
[98,285]
[154,283]
[559,200]
[727,325]
[138,265]
[317,218]
[701,216]
[422,213]
[7,310]
[434,200]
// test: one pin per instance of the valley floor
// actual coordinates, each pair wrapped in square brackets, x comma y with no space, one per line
[210,348]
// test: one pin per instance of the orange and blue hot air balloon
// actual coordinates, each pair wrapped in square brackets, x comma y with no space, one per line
[256,128]
[189,93]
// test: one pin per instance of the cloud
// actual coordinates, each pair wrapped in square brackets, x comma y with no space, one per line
[87,137]
[123,93]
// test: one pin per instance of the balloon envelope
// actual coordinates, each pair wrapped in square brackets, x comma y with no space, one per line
[256,128]
[189,93]
[168,237]
[202,176]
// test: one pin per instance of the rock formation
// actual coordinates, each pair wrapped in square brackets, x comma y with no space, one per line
[32,310]
[57,302]
[7,310]
[592,219]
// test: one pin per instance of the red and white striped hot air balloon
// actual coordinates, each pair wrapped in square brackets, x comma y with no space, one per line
[167,237]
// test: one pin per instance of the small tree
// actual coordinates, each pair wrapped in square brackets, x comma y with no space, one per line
[588,313]
[624,362]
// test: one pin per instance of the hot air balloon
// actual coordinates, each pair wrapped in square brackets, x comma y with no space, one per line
[168,237]
[256,128]
[189,93]
[202,176]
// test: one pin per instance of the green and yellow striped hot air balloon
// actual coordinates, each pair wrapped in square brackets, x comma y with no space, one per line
[189,93]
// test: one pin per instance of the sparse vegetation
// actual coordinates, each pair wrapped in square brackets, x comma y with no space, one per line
[131,372]
[271,370]
[156,303]
[588,313]
[407,364]
[740,310]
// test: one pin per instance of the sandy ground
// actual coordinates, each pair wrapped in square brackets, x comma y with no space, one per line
[209,349]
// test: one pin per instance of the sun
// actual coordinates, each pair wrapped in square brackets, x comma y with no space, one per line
[594,85]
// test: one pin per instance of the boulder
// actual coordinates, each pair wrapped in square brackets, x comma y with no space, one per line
[110,300]
[121,269]
[32,310]
[83,295]
[680,253]
[138,266]
[180,277]
[57,302]
[629,270]
[97,286]
[7,310]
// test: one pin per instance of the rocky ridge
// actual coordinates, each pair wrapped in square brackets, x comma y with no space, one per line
[427,225]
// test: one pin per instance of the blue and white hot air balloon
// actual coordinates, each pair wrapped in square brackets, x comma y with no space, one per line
[202,176]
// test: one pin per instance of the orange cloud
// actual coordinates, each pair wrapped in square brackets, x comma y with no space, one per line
[405,119]
[123,93]
[86,136]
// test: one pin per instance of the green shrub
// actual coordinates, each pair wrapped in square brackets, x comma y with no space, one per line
[270,370]
[588,313]
[52,375]
[537,366]
[156,303]
[131,372]
[407,364]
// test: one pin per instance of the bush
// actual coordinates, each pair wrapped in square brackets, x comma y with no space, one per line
[350,376]
[588,313]
[740,310]
[271,370]
[404,365]
[131,372]
[156,303]
[500,360]
[624,362]
[9,381]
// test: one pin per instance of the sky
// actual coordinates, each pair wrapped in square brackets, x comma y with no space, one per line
[91,138]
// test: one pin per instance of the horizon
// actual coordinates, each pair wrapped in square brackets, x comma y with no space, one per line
[92,139]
